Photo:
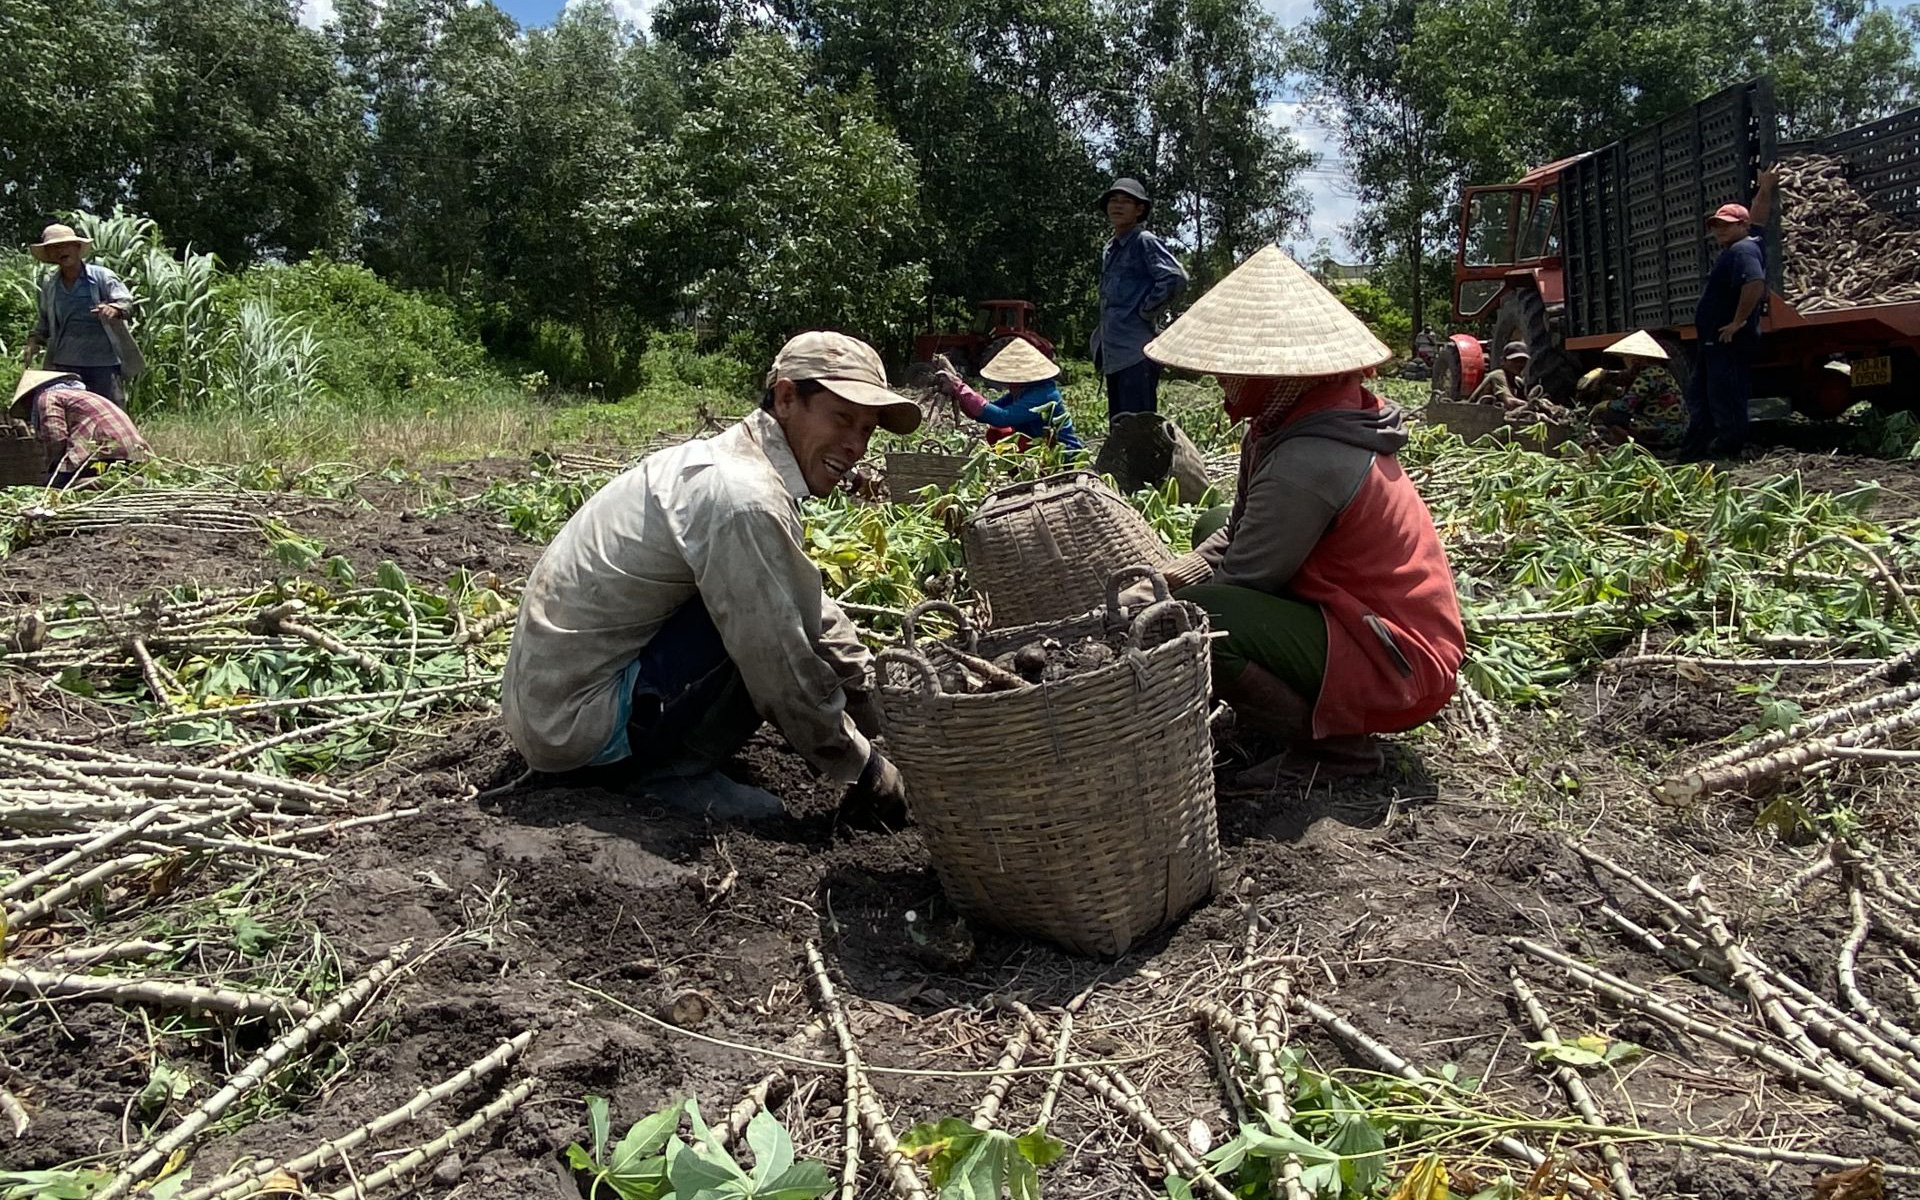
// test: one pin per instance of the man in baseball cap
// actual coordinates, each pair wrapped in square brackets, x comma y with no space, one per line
[1508,381]
[1726,324]
[678,607]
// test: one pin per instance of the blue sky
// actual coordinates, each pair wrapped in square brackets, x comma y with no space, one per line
[1333,203]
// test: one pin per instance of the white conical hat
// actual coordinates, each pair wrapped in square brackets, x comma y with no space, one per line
[1269,318]
[1639,344]
[1019,362]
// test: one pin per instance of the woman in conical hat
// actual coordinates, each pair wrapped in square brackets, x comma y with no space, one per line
[1328,578]
[1032,406]
[1639,402]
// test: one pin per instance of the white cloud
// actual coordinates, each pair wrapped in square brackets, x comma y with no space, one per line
[636,12]
[315,14]
[1326,182]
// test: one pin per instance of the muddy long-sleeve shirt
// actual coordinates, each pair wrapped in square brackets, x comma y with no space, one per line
[717,519]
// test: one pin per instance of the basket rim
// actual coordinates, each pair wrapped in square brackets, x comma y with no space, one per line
[1094,676]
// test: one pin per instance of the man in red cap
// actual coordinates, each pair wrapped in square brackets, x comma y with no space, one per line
[1726,323]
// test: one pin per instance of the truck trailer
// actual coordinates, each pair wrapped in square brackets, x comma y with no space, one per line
[1579,253]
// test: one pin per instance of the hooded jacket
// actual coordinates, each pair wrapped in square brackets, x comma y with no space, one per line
[1329,517]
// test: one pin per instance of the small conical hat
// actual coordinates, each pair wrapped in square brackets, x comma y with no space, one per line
[1639,344]
[1269,318]
[33,379]
[1019,362]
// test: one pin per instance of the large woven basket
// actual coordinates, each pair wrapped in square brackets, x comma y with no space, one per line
[910,470]
[1080,811]
[1044,550]
[23,460]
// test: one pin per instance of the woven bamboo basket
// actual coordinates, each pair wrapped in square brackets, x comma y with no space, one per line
[23,460]
[1080,811]
[1475,421]
[1044,550]
[910,470]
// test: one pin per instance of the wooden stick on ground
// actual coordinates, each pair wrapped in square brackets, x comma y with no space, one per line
[1575,1087]
[15,1112]
[1388,1060]
[30,984]
[901,1175]
[1639,998]
[997,1088]
[253,1074]
[505,1103]
[1123,1099]
[758,1097]
[1052,1094]
[40,906]
[236,1184]
[106,840]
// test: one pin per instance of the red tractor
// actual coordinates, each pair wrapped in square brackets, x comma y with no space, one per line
[999,322]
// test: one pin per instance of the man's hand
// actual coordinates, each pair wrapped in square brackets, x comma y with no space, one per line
[1729,329]
[30,352]
[1767,178]
[109,312]
[879,799]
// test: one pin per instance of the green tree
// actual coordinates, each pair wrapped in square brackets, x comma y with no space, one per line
[778,205]
[74,110]
[1190,101]
[249,145]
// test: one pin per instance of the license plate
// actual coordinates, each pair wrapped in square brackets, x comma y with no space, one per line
[1872,372]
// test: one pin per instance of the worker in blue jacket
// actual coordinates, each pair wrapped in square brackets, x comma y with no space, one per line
[1139,280]
[1032,406]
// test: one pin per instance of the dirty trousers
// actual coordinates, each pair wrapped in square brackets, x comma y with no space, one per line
[1286,636]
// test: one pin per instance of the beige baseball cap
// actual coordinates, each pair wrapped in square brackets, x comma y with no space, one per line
[851,370]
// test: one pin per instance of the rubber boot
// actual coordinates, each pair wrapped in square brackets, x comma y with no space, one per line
[1263,701]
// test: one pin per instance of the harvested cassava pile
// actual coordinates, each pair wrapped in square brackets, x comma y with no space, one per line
[1840,249]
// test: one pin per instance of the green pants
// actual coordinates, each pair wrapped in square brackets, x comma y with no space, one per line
[1288,637]
[1211,522]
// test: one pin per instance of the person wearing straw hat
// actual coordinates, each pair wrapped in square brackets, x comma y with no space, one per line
[1139,280]
[1639,402]
[1328,578]
[81,431]
[1032,407]
[81,315]
[678,607]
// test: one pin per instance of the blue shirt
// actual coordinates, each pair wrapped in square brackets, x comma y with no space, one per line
[1734,268]
[1039,411]
[1139,277]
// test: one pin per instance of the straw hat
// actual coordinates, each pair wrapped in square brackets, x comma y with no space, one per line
[1638,344]
[59,235]
[1269,318]
[1019,362]
[33,381]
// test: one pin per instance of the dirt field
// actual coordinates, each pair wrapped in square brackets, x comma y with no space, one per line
[1389,901]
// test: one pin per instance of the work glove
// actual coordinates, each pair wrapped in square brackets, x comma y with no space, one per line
[879,799]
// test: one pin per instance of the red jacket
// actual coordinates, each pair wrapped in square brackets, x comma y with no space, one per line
[1377,572]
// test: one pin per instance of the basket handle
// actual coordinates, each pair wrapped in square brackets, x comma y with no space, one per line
[1118,581]
[942,606]
[1150,617]
[921,671]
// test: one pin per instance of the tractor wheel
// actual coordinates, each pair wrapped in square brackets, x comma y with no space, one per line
[1445,385]
[1523,318]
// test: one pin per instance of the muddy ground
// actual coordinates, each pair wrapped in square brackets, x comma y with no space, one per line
[1390,900]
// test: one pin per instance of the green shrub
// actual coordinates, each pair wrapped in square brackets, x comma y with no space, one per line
[1374,305]
[380,341]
